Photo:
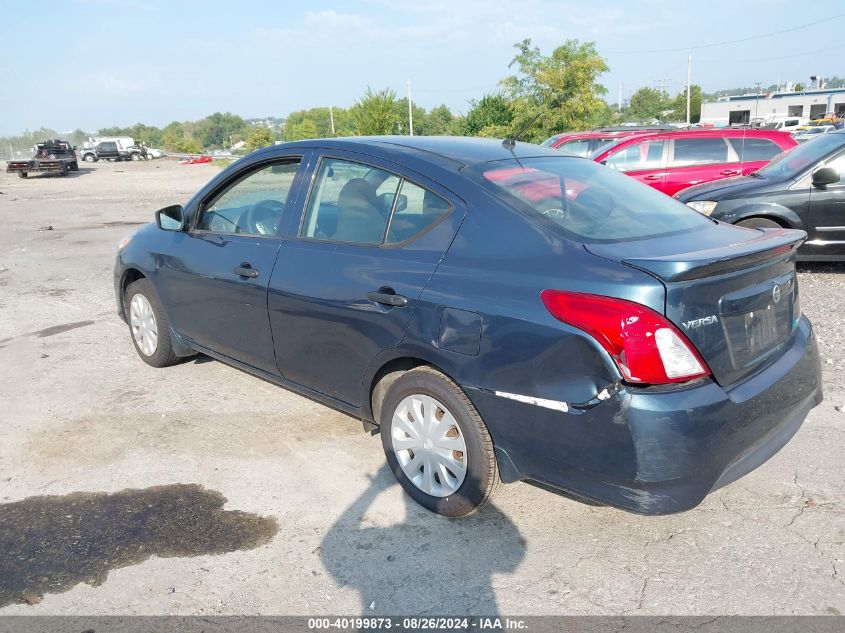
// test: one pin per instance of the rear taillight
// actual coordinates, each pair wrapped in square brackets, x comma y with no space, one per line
[647,348]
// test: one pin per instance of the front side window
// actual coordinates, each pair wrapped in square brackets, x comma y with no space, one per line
[361,204]
[699,151]
[580,147]
[253,205]
[751,149]
[584,201]
[645,155]
[838,164]
[793,162]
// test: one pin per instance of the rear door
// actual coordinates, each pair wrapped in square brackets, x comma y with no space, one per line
[346,284]
[827,215]
[644,161]
[215,277]
[753,152]
[699,158]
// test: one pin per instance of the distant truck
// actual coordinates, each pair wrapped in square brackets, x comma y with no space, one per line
[113,150]
[53,156]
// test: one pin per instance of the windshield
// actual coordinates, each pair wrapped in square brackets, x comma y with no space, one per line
[598,204]
[795,161]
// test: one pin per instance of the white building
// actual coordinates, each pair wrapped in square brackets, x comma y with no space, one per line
[807,104]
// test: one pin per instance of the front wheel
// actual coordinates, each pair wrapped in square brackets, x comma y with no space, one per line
[759,223]
[148,325]
[22,174]
[89,158]
[136,157]
[437,445]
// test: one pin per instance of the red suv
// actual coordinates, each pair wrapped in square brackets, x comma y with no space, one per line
[671,161]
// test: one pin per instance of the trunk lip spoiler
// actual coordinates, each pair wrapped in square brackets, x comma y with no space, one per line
[770,244]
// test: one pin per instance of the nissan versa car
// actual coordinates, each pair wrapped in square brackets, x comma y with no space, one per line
[499,311]
[803,188]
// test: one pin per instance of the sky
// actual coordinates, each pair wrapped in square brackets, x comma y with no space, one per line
[97,63]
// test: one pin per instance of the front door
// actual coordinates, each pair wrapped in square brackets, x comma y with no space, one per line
[215,277]
[827,216]
[346,284]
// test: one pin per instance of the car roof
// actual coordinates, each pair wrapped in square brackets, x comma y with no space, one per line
[447,151]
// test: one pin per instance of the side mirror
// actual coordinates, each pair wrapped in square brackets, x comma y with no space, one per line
[74,148]
[825,176]
[171,218]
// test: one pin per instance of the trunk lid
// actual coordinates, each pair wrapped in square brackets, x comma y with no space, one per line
[731,291]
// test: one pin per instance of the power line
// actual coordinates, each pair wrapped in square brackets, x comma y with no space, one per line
[765,59]
[744,39]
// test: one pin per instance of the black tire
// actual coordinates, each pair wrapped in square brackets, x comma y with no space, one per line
[64,169]
[74,166]
[22,174]
[482,474]
[89,158]
[759,223]
[163,355]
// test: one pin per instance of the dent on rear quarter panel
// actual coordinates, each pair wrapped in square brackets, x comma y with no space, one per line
[497,267]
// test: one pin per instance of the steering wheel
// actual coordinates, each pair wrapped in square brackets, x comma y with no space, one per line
[264,218]
[551,208]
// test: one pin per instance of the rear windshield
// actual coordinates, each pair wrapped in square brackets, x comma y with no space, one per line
[795,161]
[598,204]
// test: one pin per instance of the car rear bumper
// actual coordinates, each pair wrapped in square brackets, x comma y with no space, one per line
[658,451]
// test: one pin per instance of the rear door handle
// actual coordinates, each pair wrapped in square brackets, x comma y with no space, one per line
[388,299]
[245,270]
[729,172]
[654,177]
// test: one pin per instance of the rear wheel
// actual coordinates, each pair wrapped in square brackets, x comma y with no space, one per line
[136,157]
[437,445]
[759,223]
[148,325]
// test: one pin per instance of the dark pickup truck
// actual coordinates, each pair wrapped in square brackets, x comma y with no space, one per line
[111,150]
[53,156]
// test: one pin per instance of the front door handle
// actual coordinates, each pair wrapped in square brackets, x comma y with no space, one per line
[388,298]
[654,177]
[245,270]
[729,172]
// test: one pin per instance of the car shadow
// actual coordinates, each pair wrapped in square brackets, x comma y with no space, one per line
[50,544]
[426,563]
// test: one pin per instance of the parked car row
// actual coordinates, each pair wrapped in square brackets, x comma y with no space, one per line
[672,160]
[499,311]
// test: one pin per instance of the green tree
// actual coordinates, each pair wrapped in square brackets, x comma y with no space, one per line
[679,105]
[646,104]
[307,128]
[376,113]
[562,86]
[260,137]
[440,121]
[491,115]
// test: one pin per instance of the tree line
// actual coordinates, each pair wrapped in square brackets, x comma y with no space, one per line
[544,95]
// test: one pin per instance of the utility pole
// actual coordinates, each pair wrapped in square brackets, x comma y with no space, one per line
[757,98]
[331,119]
[410,112]
[689,88]
[619,104]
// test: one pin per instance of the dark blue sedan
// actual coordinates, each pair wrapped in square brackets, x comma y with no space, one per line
[499,312]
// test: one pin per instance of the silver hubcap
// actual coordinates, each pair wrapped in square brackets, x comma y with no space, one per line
[143,322]
[429,445]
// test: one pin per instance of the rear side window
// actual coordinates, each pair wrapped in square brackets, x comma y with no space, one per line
[699,151]
[416,210]
[584,201]
[356,203]
[645,155]
[751,149]
[579,148]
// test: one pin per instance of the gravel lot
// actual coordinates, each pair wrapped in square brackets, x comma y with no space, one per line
[238,497]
